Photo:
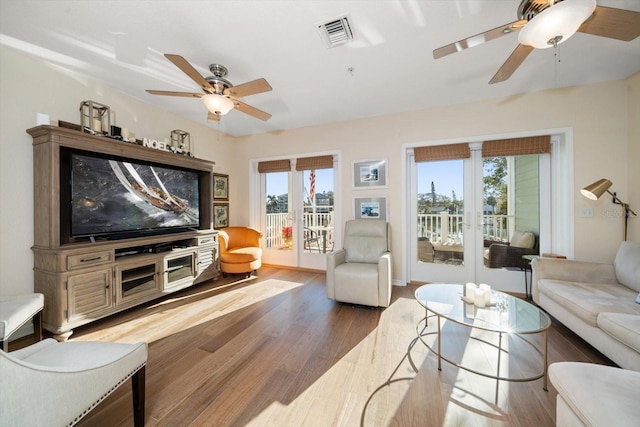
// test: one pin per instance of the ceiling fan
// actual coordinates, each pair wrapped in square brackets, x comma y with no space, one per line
[547,23]
[219,96]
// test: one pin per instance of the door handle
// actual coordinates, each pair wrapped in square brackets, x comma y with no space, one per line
[479,220]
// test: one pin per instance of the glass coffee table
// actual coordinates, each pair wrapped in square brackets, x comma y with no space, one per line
[506,315]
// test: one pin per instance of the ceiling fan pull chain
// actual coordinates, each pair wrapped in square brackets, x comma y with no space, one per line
[556,59]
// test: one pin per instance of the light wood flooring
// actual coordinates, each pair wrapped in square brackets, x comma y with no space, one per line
[274,351]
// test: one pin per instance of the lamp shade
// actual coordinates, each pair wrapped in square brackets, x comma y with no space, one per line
[556,24]
[217,104]
[597,189]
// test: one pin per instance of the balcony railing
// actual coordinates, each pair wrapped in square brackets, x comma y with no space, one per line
[276,222]
[448,228]
[438,228]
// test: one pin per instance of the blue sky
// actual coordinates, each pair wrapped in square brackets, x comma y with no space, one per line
[277,182]
[446,175]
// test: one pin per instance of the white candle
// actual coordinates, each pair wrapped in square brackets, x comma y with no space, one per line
[97,125]
[487,293]
[479,297]
[125,133]
[469,291]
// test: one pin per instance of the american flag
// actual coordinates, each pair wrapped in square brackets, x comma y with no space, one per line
[312,178]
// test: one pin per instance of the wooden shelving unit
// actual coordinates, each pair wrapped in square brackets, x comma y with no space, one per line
[87,280]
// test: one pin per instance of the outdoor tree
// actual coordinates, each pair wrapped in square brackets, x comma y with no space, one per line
[423,204]
[433,194]
[495,183]
[272,204]
[491,201]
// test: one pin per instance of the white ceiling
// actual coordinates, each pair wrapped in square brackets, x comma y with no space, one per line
[121,43]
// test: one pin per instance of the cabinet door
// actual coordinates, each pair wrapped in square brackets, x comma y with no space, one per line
[136,280]
[179,270]
[208,258]
[89,294]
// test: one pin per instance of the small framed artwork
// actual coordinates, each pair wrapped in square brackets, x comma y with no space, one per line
[220,187]
[370,208]
[221,215]
[370,174]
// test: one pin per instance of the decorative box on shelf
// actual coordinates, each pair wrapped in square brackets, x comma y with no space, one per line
[95,118]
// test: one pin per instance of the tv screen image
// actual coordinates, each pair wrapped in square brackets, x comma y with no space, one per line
[111,196]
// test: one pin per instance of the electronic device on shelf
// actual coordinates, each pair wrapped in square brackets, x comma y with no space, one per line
[105,197]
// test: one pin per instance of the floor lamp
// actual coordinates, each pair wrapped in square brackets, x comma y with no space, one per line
[597,189]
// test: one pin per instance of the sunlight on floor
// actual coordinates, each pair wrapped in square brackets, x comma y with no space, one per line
[353,383]
[204,307]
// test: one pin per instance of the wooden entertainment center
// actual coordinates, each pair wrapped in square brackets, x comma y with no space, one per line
[87,279]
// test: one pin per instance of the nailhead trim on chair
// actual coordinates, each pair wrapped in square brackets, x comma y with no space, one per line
[104,396]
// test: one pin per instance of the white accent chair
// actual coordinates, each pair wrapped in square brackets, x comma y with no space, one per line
[57,383]
[360,272]
[16,311]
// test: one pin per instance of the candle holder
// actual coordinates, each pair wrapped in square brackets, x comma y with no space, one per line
[181,141]
[95,118]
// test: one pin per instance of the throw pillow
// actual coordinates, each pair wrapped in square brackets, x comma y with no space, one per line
[627,265]
[523,239]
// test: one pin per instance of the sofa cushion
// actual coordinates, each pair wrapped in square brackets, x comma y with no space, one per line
[599,395]
[623,327]
[523,239]
[627,265]
[362,283]
[588,300]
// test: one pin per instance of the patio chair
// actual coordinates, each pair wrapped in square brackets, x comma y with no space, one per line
[509,254]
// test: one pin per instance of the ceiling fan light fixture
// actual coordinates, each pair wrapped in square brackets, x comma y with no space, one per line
[217,104]
[556,24]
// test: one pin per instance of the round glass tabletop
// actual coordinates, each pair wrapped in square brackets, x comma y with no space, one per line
[506,313]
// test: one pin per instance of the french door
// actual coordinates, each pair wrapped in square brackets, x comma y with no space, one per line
[298,212]
[461,207]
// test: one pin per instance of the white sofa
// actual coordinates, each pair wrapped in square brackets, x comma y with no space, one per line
[595,395]
[597,301]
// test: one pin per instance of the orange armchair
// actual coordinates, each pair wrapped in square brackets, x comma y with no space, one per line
[240,251]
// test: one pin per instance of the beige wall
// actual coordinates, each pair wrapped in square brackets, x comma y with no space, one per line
[598,115]
[633,195]
[29,86]
[604,117]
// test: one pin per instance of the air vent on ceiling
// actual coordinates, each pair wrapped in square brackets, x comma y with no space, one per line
[336,32]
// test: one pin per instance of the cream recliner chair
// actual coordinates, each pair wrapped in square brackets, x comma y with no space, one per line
[360,272]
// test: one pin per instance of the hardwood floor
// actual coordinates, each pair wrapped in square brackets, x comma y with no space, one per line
[274,351]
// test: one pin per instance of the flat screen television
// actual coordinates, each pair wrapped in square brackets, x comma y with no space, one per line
[111,197]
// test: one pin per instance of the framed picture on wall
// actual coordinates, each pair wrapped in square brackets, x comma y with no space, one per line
[220,187]
[370,174]
[220,215]
[370,208]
